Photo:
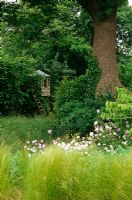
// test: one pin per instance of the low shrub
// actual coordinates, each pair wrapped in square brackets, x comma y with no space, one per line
[78,117]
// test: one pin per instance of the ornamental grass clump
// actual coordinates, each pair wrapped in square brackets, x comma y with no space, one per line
[13,167]
[5,165]
[43,180]
[56,174]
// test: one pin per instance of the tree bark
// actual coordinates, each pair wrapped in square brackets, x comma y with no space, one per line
[104,49]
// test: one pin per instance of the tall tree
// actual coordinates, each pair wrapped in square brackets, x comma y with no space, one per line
[103,13]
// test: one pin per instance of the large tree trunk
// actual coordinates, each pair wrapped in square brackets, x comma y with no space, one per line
[104,44]
[104,50]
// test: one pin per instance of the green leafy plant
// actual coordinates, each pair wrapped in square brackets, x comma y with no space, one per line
[113,128]
[121,108]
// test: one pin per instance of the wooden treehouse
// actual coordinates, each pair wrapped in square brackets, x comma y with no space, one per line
[44,83]
[45,88]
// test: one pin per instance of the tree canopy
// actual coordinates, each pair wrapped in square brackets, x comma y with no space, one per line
[55,37]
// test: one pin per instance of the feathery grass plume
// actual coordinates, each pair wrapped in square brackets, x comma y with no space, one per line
[57,175]
[5,165]
[45,174]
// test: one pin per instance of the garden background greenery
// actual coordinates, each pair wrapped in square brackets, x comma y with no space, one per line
[80,147]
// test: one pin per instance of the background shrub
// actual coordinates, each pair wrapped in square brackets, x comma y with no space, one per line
[75,116]
[75,101]
[125,73]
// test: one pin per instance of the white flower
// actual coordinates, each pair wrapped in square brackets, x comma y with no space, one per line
[65,148]
[125,143]
[28,142]
[43,145]
[39,147]
[108,150]
[108,127]
[49,132]
[99,144]
[63,144]
[91,134]
[55,142]
[78,137]
[95,123]
[97,129]
[34,141]
[111,146]
[79,148]
[89,142]
[114,133]
[73,141]
[33,150]
[76,144]
[98,111]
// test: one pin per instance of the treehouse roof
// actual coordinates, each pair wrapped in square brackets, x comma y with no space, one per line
[41,73]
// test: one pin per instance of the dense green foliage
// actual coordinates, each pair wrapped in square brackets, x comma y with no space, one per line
[49,37]
[36,39]
[124,32]
[57,38]
[125,72]
[75,102]
[102,8]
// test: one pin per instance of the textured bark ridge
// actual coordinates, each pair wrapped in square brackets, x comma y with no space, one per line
[104,50]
